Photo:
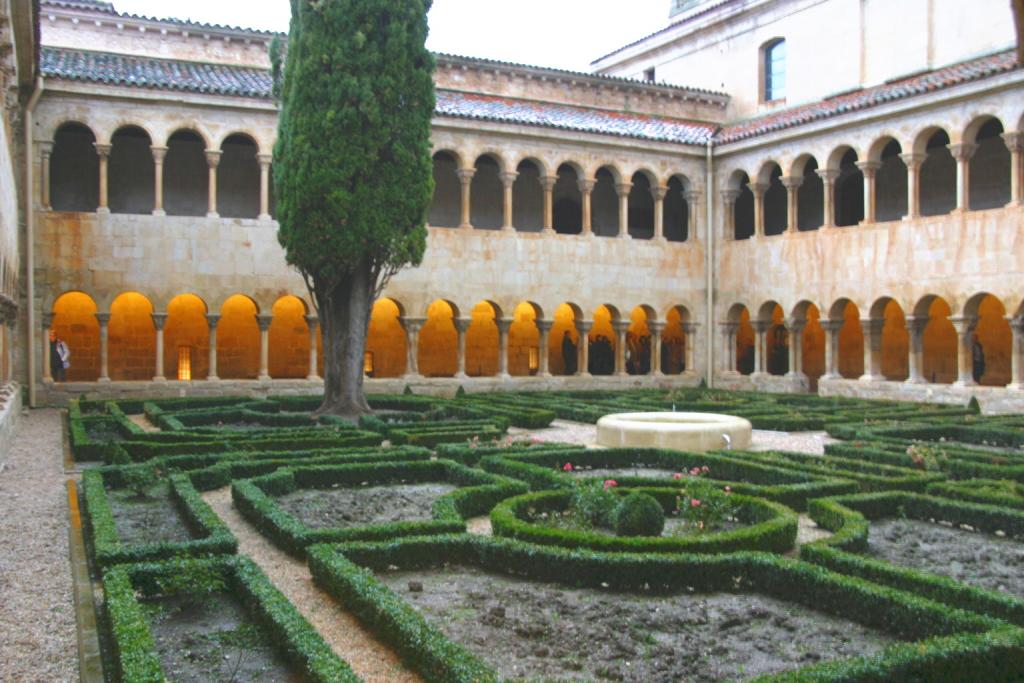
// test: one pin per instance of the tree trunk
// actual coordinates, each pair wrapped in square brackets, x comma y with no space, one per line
[344,319]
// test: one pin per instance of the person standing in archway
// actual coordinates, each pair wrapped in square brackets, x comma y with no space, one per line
[569,354]
[977,359]
[60,357]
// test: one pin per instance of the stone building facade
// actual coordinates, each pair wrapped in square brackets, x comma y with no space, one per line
[602,230]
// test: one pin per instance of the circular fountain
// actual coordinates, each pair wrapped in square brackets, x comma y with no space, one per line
[695,432]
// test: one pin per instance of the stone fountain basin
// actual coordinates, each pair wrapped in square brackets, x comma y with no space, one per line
[695,432]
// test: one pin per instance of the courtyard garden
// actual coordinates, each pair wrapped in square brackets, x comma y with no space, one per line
[484,538]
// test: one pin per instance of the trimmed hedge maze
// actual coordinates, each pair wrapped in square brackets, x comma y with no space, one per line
[388,515]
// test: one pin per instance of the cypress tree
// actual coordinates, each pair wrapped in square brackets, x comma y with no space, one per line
[352,166]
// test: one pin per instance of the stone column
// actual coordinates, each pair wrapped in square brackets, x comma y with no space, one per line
[548,184]
[872,329]
[690,357]
[159,153]
[461,325]
[621,327]
[758,189]
[211,322]
[869,169]
[264,320]
[159,319]
[831,329]
[693,204]
[963,152]
[265,161]
[915,350]
[544,327]
[47,323]
[796,341]
[729,354]
[586,189]
[913,162]
[103,152]
[313,323]
[1015,143]
[504,324]
[729,212]
[828,180]
[508,179]
[412,342]
[623,190]
[760,328]
[792,185]
[583,347]
[964,326]
[45,152]
[1016,354]
[656,328]
[104,321]
[466,182]
[212,160]
[659,193]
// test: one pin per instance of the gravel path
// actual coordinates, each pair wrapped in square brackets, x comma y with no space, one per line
[38,639]
[369,658]
[561,431]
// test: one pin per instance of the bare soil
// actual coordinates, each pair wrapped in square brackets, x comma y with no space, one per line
[348,506]
[977,559]
[149,519]
[536,630]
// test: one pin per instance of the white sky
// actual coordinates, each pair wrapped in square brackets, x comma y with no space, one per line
[567,34]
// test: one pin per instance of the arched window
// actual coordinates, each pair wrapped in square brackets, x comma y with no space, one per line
[774,59]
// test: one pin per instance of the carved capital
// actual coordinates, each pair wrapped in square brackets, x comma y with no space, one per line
[656,327]
[312,322]
[828,175]
[586,185]
[758,189]
[729,196]
[620,326]
[102,318]
[102,150]
[792,182]
[1014,141]
[462,324]
[962,151]
[46,320]
[265,159]
[213,157]
[545,325]
[158,153]
[465,175]
[159,320]
[212,319]
[412,325]
[623,189]
[869,167]
[912,160]
[659,193]
[584,326]
[263,320]
[504,324]
[508,178]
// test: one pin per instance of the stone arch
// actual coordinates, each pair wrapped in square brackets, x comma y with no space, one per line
[482,340]
[776,339]
[604,202]
[850,351]
[386,343]
[528,196]
[638,340]
[524,340]
[130,171]
[810,197]
[186,338]
[677,209]
[895,339]
[567,199]
[246,134]
[641,205]
[674,341]
[812,342]
[743,206]
[849,189]
[745,339]
[445,206]
[487,193]
[938,172]
[131,338]
[438,340]
[602,340]
[186,174]
[992,342]
[938,341]
[774,203]
[74,169]
[890,179]
[238,338]
[288,339]
[563,340]
[74,321]
[989,177]
[238,177]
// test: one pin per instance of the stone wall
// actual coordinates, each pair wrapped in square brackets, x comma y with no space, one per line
[10,413]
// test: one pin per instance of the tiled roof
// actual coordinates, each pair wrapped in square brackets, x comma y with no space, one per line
[88,5]
[685,20]
[108,8]
[964,72]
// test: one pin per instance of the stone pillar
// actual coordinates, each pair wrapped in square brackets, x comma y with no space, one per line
[792,185]
[1016,354]
[103,152]
[264,320]
[760,328]
[758,189]
[729,212]
[159,153]
[159,319]
[623,190]
[47,321]
[504,325]
[544,327]
[1015,143]
[265,161]
[45,152]
[508,179]
[729,340]
[831,329]
[466,182]
[796,341]
[583,347]
[693,204]
[869,169]
[690,347]
[964,326]
[621,327]
[586,189]
[659,193]
[828,180]
[412,342]
[548,184]
[915,350]
[913,162]
[872,329]
[656,328]
[313,323]
[104,321]
[211,322]
[963,152]
[212,160]
[461,325]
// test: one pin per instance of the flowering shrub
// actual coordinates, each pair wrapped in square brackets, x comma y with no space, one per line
[593,504]
[927,457]
[703,506]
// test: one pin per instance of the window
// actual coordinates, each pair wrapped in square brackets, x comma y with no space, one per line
[774,56]
[649,75]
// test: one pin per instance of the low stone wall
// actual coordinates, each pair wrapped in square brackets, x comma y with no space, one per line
[10,413]
[993,400]
[775,384]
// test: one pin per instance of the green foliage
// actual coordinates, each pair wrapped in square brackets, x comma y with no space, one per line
[973,407]
[139,478]
[704,505]
[593,504]
[639,514]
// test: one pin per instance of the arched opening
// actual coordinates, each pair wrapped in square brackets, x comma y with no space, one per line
[992,345]
[891,184]
[130,172]
[810,198]
[524,341]
[74,321]
[989,178]
[775,201]
[604,204]
[602,342]
[895,339]
[386,344]
[482,341]
[812,347]
[528,198]
[638,341]
[438,342]
[849,191]
[641,208]
[445,206]
[186,175]
[288,339]
[674,341]
[776,339]
[74,169]
[131,338]
[939,341]
[186,339]
[773,71]
[563,341]
[676,211]
[487,195]
[938,177]
[238,339]
[743,209]
[850,354]
[238,178]
[745,339]
[567,202]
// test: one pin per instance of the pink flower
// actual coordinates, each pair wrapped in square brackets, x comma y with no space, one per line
[705,469]
[728,489]
[695,471]
[609,483]
[567,467]
[694,503]
[677,476]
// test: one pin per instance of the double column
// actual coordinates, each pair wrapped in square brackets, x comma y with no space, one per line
[212,161]
[869,169]
[103,152]
[1016,354]
[586,186]
[729,351]
[104,320]
[828,182]
[796,348]
[313,323]
[583,328]
[544,327]
[792,185]
[508,181]
[265,161]
[831,329]
[623,190]
[621,328]
[760,330]
[758,189]
[159,320]
[915,350]
[962,152]
[872,328]
[964,326]
[465,183]
[729,212]
[412,344]
[263,320]
[913,163]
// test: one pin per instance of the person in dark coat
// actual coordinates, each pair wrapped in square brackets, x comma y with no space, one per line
[569,354]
